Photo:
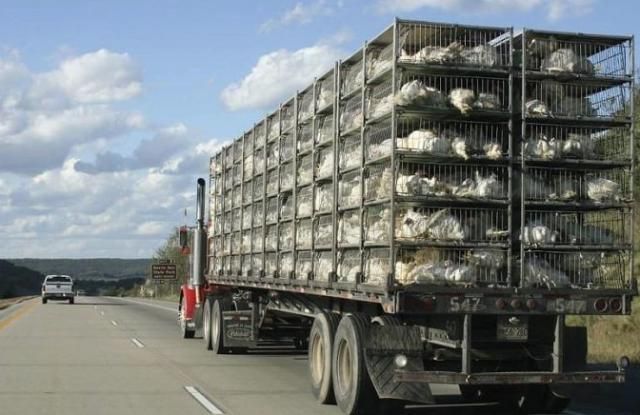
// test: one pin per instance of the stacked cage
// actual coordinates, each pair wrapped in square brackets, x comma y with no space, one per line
[576,154]
[398,167]
[424,165]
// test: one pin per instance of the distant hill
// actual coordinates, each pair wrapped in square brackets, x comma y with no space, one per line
[16,281]
[89,268]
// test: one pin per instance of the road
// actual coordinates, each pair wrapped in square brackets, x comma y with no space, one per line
[115,356]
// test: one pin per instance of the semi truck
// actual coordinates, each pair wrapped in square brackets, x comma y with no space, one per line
[429,211]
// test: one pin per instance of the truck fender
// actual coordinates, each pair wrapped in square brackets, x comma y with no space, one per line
[189,295]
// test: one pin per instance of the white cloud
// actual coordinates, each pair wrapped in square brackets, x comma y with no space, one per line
[166,142]
[43,116]
[558,9]
[52,123]
[100,76]
[300,13]
[278,75]
[554,9]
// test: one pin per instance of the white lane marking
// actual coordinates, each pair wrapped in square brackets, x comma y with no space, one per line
[206,403]
[102,313]
[174,309]
[114,322]
[137,342]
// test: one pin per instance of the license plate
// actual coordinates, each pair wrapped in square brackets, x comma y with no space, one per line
[513,328]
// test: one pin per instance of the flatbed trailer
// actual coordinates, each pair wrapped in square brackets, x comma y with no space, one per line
[429,211]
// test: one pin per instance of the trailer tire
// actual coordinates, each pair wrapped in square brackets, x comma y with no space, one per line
[354,392]
[44,300]
[71,301]
[185,331]
[206,324]
[320,349]
[217,335]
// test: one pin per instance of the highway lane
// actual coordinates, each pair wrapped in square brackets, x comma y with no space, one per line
[121,356]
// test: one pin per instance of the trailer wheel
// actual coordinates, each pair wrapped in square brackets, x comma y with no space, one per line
[206,324]
[44,300]
[352,386]
[217,336]
[71,301]
[319,351]
[186,332]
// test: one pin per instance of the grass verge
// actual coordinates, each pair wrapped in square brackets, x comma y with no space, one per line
[612,336]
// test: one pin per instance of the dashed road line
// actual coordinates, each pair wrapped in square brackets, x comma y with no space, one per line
[202,400]
[174,309]
[115,323]
[137,342]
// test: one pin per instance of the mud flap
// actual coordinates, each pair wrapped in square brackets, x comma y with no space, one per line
[238,329]
[383,344]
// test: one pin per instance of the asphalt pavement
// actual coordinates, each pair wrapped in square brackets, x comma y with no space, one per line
[124,356]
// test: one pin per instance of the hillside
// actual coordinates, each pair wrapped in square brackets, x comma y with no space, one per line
[17,281]
[89,268]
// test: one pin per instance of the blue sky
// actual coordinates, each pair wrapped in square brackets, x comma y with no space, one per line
[161,77]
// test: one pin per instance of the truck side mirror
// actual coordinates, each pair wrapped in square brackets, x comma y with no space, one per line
[183,237]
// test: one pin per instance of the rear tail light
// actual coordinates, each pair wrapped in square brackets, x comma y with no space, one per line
[615,305]
[515,303]
[532,304]
[501,304]
[600,305]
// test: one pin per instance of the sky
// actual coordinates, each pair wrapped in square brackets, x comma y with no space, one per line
[110,110]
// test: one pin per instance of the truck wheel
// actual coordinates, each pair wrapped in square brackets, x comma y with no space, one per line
[186,332]
[71,300]
[206,324]
[321,337]
[352,386]
[44,301]
[217,336]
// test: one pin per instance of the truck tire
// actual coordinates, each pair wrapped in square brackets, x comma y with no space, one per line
[206,324]
[320,349]
[185,331]
[354,392]
[44,300]
[71,300]
[217,335]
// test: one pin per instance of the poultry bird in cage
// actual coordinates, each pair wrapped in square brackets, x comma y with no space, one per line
[538,272]
[537,107]
[600,189]
[487,101]
[543,147]
[535,234]
[578,146]
[480,55]
[415,92]
[426,140]
[462,99]
[567,60]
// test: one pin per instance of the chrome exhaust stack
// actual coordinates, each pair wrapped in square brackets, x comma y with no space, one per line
[197,271]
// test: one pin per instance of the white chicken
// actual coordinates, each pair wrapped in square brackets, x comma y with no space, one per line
[488,187]
[349,229]
[325,97]
[566,60]
[538,272]
[409,184]
[378,226]
[461,148]
[538,234]
[603,190]
[427,141]
[481,55]
[579,146]
[537,107]
[377,150]
[544,147]
[462,99]
[565,188]
[487,101]
[415,92]
[381,107]
[493,150]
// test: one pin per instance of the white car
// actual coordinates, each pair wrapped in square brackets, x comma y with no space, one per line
[57,287]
